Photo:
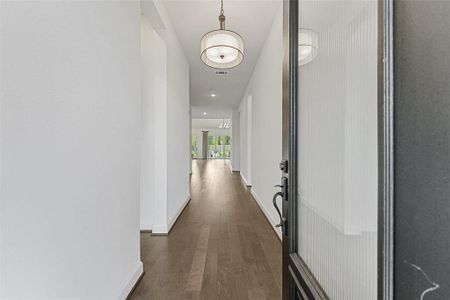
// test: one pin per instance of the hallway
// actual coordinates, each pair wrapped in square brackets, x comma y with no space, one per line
[221,247]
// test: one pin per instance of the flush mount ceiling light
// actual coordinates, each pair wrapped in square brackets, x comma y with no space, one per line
[307,46]
[222,49]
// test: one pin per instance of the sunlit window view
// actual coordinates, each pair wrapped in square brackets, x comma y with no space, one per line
[219,146]
[194,147]
[211,138]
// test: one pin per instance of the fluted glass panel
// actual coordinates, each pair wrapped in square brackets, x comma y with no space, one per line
[338,146]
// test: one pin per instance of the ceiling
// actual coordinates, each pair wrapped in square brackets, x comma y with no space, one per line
[209,123]
[210,112]
[191,19]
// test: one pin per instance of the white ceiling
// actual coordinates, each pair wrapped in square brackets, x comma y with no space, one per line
[210,112]
[209,123]
[191,19]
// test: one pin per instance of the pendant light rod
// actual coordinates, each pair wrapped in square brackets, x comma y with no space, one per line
[222,16]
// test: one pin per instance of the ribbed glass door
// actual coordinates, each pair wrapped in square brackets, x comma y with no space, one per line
[337,146]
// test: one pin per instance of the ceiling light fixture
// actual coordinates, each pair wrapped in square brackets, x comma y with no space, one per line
[307,46]
[224,125]
[204,113]
[213,95]
[222,49]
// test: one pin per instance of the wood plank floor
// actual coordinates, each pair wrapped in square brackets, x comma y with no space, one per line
[221,247]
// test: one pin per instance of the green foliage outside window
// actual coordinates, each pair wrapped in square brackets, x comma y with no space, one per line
[194,147]
[219,146]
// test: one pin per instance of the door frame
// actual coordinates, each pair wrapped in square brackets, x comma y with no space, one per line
[297,278]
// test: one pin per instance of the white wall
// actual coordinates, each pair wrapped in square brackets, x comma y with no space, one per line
[261,152]
[178,165]
[154,128]
[235,140]
[243,140]
[172,121]
[147,179]
[245,135]
[190,140]
[70,149]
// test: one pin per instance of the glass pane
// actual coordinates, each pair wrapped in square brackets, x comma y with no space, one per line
[338,146]
[194,150]
[219,146]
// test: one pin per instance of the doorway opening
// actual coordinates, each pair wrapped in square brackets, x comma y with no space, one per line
[211,139]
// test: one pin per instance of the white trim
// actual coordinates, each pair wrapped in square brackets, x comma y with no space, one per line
[232,169]
[266,213]
[177,215]
[159,229]
[151,12]
[134,278]
[146,227]
[249,137]
[164,229]
[244,180]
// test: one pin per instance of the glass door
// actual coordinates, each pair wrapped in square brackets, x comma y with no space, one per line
[337,154]
[333,150]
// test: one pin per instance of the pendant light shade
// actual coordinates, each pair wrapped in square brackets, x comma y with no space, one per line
[307,46]
[222,49]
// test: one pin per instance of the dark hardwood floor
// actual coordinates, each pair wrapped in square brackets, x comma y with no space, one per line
[221,247]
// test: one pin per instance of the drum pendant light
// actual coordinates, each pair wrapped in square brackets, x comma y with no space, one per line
[307,46]
[222,49]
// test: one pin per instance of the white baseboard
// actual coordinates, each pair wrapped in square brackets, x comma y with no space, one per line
[244,180]
[134,278]
[180,210]
[159,229]
[266,213]
[232,169]
[164,229]
[146,227]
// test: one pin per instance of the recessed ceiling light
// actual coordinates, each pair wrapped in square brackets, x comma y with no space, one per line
[213,95]
[204,113]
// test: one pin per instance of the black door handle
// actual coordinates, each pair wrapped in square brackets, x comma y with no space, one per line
[274,201]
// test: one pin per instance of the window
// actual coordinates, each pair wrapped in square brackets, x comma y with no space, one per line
[219,146]
[194,148]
